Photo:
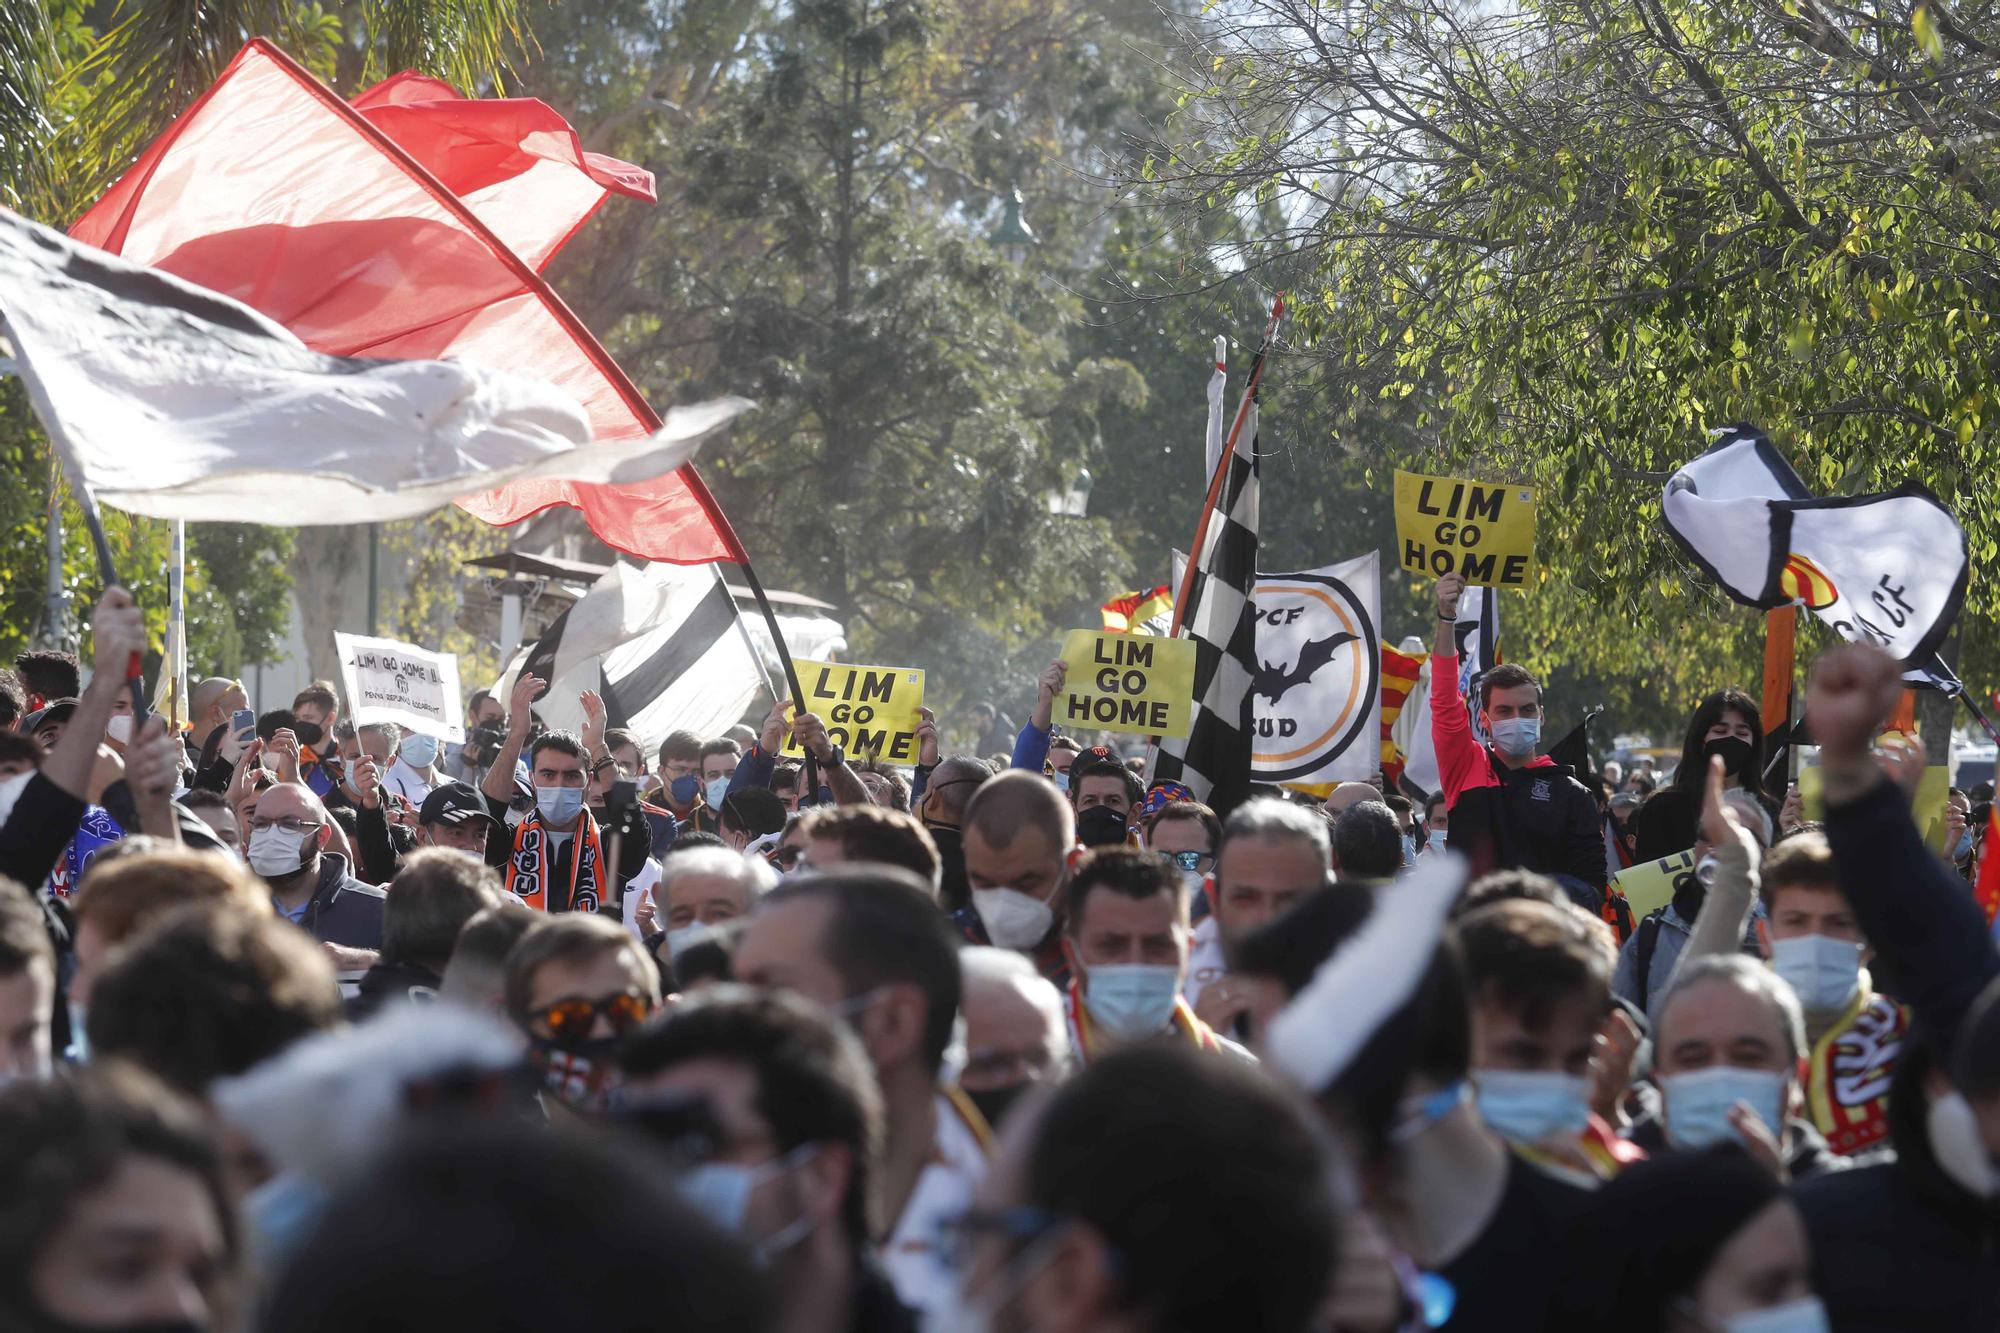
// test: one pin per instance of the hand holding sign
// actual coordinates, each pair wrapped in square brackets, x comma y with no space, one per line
[1483,531]
[1128,682]
[862,709]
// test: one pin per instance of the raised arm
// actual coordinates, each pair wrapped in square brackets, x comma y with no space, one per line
[498,784]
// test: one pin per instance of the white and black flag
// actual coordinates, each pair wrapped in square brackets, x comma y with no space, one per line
[663,646]
[1213,759]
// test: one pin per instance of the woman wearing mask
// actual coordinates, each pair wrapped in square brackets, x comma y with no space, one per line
[1703,1242]
[1727,726]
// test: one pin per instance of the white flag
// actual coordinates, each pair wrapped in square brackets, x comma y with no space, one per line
[1316,703]
[170,400]
[1888,569]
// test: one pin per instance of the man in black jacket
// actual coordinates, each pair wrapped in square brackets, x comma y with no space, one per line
[310,886]
[432,897]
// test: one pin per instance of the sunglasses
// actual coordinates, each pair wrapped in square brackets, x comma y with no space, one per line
[1189,860]
[572,1020]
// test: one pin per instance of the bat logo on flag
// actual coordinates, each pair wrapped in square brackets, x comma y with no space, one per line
[1808,582]
[1275,682]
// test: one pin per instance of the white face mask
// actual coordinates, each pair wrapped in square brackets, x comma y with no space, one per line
[1529,1106]
[275,853]
[714,791]
[1698,1104]
[1012,919]
[1825,973]
[1806,1315]
[119,729]
[1132,1001]
[682,938]
[1954,1134]
[1436,838]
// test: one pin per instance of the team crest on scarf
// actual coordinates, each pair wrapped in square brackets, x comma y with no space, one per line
[533,862]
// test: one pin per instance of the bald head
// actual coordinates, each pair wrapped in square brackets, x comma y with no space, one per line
[1350,794]
[1019,802]
[951,787]
[1014,1027]
[212,701]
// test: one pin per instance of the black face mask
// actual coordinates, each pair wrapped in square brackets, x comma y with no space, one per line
[1100,826]
[1734,753]
[993,1103]
[309,733]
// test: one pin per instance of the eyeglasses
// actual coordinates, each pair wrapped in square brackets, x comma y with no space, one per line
[1188,860]
[958,1235]
[571,1020]
[288,825]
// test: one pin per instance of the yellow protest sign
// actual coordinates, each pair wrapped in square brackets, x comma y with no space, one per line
[1483,531]
[1928,808]
[1127,682]
[868,710]
[1650,884]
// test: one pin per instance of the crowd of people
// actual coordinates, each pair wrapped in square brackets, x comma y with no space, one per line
[312,1025]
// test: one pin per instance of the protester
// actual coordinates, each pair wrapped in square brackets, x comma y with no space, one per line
[1186,832]
[940,805]
[775,1111]
[485,728]
[1126,924]
[1104,793]
[113,1212]
[434,894]
[49,674]
[870,833]
[869,945]
[311,887]
[1728,727]
[700,888]
[1016,1034]
[750,817]
[1080,1226]
[1436,826]
[578,984]
[315,715]
[1368,845]
[27,987]
[1271,854]
[476,975]
[1510,807]
[13,700]
[1018,835]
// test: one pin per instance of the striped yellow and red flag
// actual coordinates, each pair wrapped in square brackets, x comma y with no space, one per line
[1986,888]
[1144,612]
[1400,672]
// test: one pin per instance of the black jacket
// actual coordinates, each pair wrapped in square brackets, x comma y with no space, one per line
[1536,818]
[391,983]
[342,909]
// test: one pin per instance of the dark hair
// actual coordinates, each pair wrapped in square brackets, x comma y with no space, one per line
[1432,802]
[1504,885]
[24,932]
[271,723]
[16,748]
[630,1254]
[1135,790]
[721,745]
[319,692]
[690,838]
[1645,784]
[1507,676]
[1802,861]
[756,811]
[209,992]
[65,1138]
[1134,874]
[680,745]
[205,798]
[13,700]
[435,892]
[492,932]
[478,697]
[876,833]
[1189,812]
[1430,1034]
[562,742]
[814,1084]
[785,777]
[884,928]
[1239,1234]
[49,672]
[1367,842]
[1693,772]
[899,790]
[1529,957]
[567,937]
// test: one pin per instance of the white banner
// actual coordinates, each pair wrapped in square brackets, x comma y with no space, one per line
[413,687]
[1316,698]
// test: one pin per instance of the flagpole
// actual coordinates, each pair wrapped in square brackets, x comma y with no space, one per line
[1222,466]
[810,787]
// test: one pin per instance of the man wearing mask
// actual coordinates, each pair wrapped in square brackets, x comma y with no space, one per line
[485,728]
[1510,808]
[454,817]
[212,704]
[48,674]
[868,945]
[1127,941]
[946,795]
[1015,1033]
[1019,835]
[413,772]
[1104,793]
[774,1111]
[315,713]
[1273,853]
[558,862]
[311,887]
[718,764]
[578,985]
[678,803]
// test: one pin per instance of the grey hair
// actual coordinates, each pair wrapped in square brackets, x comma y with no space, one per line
[1746,974]
[752,875]
[1751,811]
[981,964]
[387,730]
[1274,819]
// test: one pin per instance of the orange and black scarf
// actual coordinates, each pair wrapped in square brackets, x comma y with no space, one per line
[1847,1074]
[534,856]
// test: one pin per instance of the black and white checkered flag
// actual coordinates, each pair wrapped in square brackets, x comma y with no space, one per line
[1213,759]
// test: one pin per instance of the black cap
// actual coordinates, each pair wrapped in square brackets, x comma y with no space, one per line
[453,804]
[56,710]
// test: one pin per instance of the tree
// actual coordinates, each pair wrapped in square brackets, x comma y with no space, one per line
[1563,239]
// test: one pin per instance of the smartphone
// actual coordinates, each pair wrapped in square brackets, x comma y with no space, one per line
[243,725]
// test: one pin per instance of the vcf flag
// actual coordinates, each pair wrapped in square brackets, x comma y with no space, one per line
[273,191]
[167,400]
[1149,611]
[1315,701]
[1888,569]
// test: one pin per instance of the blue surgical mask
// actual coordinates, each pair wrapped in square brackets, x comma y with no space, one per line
[1516,737]
[1409,850]
[684,789]
[714,791]
[1131,1001]
[1698,1104]
[720,1191]
[1824,973]
[1805,1315]
[1061,780]
[1529,1107]
[1436,838]
[558,805]
[1964,848]
[418,751]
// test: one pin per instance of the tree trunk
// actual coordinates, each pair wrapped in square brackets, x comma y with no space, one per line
[1936,710]
[329,577]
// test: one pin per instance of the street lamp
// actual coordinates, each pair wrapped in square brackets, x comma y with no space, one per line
[1013,236]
